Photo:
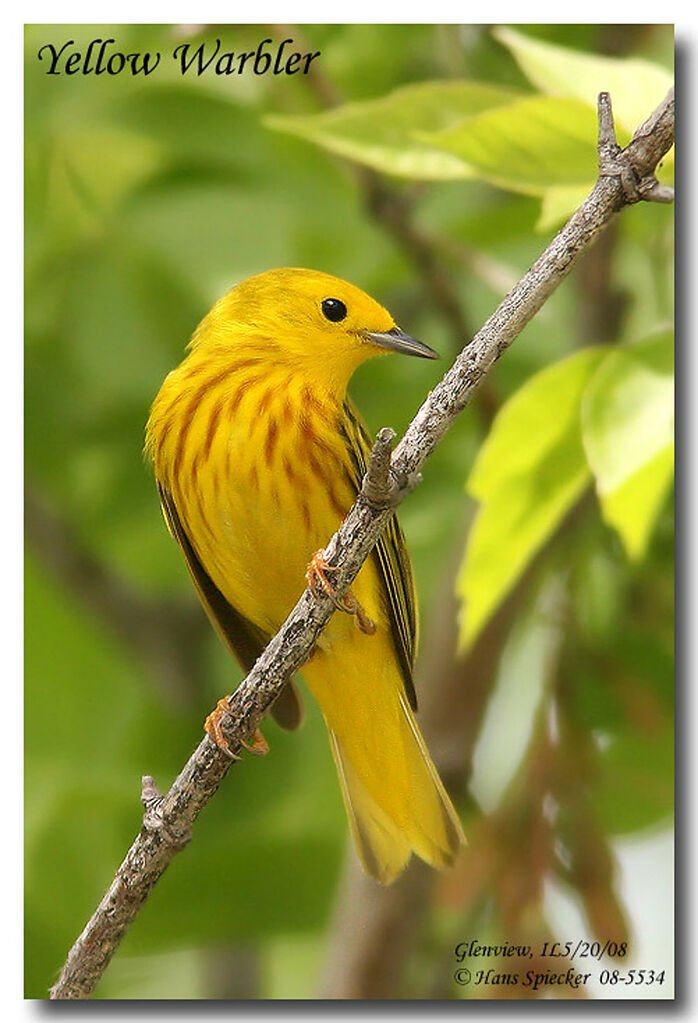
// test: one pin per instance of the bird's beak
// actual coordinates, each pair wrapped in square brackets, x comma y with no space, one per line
[396,341]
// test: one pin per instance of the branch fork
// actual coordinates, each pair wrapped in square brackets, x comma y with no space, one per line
[615,162]
[384,486]
[153,820]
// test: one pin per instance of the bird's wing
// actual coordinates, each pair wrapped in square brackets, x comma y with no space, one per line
[391,555]
[244,639]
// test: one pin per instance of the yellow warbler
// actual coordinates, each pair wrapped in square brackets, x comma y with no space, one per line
[259,454]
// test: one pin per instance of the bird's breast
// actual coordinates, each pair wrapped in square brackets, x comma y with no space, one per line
[261,473]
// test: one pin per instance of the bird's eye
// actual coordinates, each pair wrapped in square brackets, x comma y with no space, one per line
[334,309]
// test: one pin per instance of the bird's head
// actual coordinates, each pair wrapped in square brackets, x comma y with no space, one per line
[319,324]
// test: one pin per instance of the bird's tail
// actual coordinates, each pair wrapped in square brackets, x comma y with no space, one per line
[395,800]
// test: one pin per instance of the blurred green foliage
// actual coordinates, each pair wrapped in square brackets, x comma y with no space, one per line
[540,145]
[144,201]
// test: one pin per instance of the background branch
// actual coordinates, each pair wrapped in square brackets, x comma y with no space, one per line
[166,827]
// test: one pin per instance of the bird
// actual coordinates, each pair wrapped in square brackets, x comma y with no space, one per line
[258,454]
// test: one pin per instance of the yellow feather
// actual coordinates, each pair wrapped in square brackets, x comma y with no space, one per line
[258,455]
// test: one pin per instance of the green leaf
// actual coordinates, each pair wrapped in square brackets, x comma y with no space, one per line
[529,145]
[628,429]
[382,133]
[529,472]
[636,86]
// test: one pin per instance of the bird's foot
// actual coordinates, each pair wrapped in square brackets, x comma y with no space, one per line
[212,726]
[316,577]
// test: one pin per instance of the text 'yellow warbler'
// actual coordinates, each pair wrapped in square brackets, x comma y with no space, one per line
[259,455]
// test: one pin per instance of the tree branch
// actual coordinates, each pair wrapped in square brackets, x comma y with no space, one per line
[167,825]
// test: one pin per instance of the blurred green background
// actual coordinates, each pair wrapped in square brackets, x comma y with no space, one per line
[547,650]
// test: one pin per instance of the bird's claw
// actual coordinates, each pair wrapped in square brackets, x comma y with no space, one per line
[316,576]
[212,726]
[351,605]
[317,580]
